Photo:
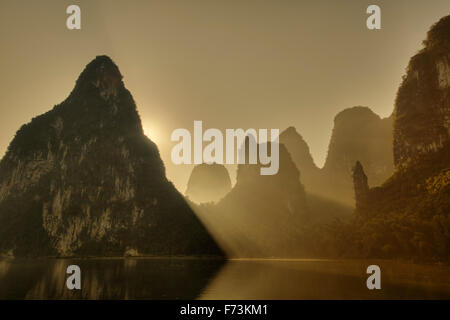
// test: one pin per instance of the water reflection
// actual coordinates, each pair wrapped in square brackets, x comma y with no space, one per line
[327,279]
[131,278]
[140,278]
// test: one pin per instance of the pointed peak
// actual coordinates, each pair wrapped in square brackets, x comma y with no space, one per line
[358,168]
[100,60]
[103,74]
[290,131]
[101,65]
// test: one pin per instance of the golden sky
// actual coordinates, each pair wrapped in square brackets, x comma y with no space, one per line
[231,64]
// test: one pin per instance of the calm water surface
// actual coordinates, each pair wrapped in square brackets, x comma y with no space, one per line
[147,278]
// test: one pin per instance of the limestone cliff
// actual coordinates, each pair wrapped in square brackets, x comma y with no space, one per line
[408,216]
[422,108]
[83,179]
[301,155]
[360,185]
[358,135]
[262,216]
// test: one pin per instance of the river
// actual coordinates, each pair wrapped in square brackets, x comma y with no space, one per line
[182,278]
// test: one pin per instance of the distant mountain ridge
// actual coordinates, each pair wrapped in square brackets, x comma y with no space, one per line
[83,179]
[358,134]
[262,216]
[301,155]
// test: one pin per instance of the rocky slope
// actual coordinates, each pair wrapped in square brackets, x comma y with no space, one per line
[83,179]
[300,154]
[422,109]
[263,215]
[409,215]
[208,183]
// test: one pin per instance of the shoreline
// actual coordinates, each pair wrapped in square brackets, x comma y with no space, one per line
[225,259]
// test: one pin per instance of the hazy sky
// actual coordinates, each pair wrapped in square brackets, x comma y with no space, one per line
[249,64]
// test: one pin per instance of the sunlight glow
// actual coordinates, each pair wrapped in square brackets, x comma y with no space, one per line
[152,131]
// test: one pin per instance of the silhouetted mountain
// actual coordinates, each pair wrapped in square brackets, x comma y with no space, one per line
[262,216]
[299,150]
[358,134]
[360,184]
[208,183]
[409,215]
[322,207]
[83,179]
